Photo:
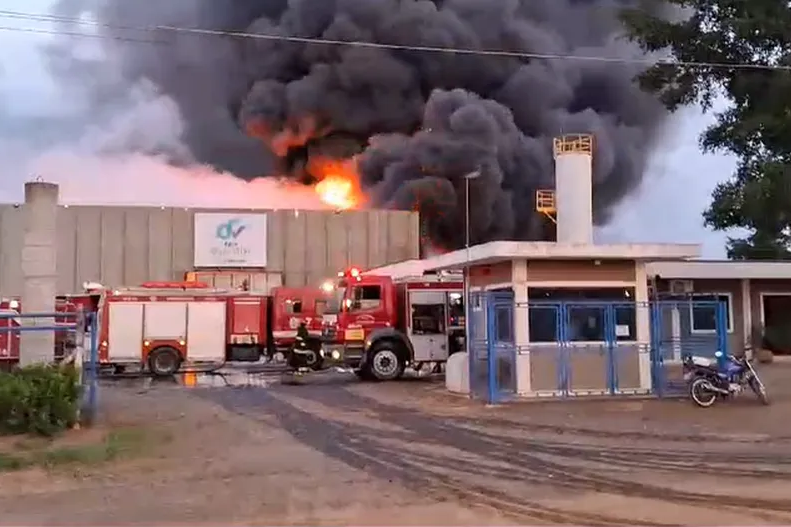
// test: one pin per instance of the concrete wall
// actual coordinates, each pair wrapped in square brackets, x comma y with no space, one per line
[129,245]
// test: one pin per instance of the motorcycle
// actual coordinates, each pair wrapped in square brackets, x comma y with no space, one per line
[709,381]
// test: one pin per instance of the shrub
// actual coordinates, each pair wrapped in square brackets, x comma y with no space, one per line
[39,399]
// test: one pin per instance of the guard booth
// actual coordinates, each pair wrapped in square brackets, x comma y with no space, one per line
[570,320]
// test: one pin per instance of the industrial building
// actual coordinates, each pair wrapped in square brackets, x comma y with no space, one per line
[118,246]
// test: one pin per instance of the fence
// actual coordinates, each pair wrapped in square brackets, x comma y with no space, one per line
[587,347]
[74,334]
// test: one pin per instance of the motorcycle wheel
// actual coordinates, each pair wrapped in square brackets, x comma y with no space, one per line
[700,394]
[760,390]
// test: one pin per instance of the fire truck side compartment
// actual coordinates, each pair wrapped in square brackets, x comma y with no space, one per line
[125,338]
[165,321]
[248,325]
[205,333]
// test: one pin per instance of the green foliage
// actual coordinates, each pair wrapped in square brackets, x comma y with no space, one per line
[704,39]
[41,400]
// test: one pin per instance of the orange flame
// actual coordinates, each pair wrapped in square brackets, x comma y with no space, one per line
[339,182]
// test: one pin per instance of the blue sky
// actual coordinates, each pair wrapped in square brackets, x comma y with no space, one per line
[667,208]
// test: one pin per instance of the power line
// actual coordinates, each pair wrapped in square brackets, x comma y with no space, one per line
[373,45]
[76,34]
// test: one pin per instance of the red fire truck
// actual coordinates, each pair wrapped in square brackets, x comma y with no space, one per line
[379,325]
[162,326]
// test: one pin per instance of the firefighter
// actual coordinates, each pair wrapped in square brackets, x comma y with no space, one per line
[301,355]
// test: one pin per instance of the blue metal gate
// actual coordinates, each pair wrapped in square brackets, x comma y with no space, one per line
[674,336]
[492,369]
[584,348]
[589,347]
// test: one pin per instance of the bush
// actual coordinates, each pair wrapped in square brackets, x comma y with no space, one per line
[40,399]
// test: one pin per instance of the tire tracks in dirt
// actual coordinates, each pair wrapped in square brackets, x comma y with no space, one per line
[530,453]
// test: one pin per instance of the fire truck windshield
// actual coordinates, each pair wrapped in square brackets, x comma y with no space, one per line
[335,303]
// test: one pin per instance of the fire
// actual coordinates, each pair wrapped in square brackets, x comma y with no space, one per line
[339,182]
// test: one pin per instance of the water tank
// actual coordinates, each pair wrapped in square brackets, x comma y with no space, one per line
[574,188]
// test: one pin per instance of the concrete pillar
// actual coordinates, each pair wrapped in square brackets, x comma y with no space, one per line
[521,327]
[747,319]
[39,270]
[643,322]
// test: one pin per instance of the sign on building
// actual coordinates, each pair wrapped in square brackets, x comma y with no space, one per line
[230,240]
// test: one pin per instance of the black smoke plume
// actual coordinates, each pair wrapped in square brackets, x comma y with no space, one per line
[419,119]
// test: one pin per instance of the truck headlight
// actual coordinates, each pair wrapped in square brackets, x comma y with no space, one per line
[336,355]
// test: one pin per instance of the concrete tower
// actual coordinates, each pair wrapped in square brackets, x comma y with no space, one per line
[39,269]
[574,188]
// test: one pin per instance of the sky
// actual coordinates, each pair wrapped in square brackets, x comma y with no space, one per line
[667,208]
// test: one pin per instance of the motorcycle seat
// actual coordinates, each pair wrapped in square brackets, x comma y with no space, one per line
[703,362]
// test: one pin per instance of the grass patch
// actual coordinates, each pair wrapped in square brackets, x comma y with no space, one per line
[116,444]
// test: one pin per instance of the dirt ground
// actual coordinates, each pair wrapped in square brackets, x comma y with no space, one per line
[335,452]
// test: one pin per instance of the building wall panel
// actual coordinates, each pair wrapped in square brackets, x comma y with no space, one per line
[113,247]
[317,260]
[120,246]
[357,222]
[89,245]
[337,248]
[12,232]
[276,240]
[296,248]
[160,246]
[136,245]
[183,238]
[377,245]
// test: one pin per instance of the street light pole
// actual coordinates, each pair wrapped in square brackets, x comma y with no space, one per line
[467,177]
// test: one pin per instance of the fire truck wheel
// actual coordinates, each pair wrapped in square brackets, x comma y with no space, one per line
[386,364]
[164,362]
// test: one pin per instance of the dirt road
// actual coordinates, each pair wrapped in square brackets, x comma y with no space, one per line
[407,454]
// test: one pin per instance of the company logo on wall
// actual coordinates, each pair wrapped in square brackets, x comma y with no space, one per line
[227,240]
[228,233]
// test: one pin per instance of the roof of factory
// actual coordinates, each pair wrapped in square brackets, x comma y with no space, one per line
[721,269]
[493,252]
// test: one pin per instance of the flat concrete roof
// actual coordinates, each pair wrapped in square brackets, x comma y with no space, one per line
[407,268]
[721,270]
[493,252]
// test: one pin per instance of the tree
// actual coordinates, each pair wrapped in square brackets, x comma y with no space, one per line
[739,49]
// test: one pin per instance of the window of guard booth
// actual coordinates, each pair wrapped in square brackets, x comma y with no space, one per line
[293,307]
[503,323]
[585,323]
[366,297]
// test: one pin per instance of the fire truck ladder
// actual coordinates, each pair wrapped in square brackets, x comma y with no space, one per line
[545,204]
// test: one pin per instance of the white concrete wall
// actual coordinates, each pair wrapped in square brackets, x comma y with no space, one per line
[128,245]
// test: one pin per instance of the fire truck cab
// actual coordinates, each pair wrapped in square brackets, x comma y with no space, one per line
[379,326]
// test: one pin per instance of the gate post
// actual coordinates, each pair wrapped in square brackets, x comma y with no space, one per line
[491,359]
[656,351]
[563,352]
[610,339]
[722,334]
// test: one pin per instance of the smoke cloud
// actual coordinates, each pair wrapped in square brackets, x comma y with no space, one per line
[419,120]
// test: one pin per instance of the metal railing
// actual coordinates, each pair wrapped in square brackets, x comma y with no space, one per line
[70,330]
